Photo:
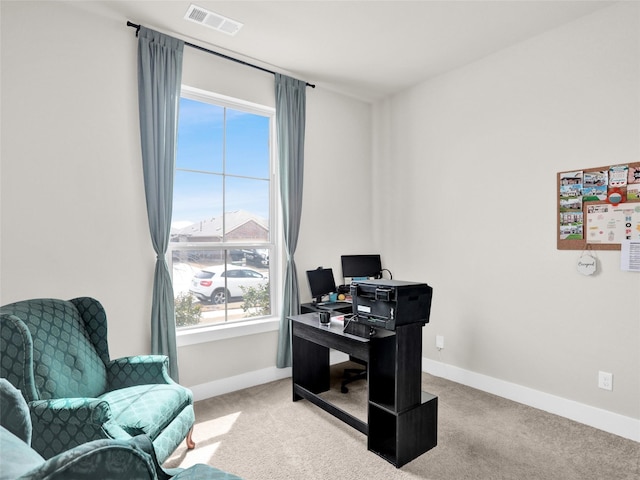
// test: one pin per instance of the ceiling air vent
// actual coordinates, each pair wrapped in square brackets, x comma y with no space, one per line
[212,20]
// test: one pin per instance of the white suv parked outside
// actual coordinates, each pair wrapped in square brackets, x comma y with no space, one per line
[216,284]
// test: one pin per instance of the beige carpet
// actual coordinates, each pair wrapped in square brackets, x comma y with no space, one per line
[260,434]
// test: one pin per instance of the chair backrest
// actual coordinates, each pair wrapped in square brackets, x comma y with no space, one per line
[65,363]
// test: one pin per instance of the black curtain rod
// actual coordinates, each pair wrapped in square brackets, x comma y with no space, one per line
[198,47]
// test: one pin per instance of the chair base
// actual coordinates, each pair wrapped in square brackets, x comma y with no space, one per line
[351,375]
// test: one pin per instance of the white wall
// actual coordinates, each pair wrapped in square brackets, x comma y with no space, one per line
[72,205]
[461,194]
[73,217]
[467,168]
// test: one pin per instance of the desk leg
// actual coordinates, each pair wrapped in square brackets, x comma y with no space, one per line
[310,367]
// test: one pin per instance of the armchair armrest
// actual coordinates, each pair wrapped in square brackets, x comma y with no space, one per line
[102,459]
[70,411]
[63,423]
[16,345]
[138,370]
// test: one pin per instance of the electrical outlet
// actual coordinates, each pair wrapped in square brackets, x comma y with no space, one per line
[439,342]
[605,380]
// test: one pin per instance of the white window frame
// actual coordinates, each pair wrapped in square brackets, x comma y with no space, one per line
[210,333]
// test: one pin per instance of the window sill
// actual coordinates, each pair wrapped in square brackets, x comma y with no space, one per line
[224,331]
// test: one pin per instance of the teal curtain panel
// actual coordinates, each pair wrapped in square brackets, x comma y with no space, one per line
[159,78]
[290,128]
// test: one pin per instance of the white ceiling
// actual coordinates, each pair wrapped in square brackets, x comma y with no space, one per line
[368,49]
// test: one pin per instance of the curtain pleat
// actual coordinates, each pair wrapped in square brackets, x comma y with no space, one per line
[290,129]
[159,79]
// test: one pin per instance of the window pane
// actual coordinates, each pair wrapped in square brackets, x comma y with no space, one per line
[197,207]
[247,206]
[210,290]
[247,144]
[200,136]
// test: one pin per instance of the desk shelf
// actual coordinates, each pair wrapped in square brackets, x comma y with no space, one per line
[395,373]
[401,437]
[402,418]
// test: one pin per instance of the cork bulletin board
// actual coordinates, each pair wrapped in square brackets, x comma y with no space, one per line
[598,208]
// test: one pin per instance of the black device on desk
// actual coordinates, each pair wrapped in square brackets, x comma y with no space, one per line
[361,266]
[321,284]
[387,304]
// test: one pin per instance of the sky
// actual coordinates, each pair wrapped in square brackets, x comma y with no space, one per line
[213,140]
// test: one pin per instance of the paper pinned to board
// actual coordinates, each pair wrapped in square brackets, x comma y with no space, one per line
[613,224]
[630,255]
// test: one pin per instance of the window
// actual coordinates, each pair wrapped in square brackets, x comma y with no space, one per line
[222,249]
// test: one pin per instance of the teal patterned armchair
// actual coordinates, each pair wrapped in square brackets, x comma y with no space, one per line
[56,353]
[132,459]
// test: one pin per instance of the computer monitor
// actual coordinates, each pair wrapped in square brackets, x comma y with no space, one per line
[321,282]
[361,266]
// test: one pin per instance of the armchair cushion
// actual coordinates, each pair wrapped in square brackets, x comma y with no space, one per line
[14,412]
[17,458]
[146,409]
[200,471]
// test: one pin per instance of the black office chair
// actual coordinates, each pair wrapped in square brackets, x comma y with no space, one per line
[352,374]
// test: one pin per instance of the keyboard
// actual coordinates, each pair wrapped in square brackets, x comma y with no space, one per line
[334,305]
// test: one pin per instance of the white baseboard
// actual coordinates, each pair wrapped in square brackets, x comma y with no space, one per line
[595,417]
[626,427]
[238,382]
[251,379]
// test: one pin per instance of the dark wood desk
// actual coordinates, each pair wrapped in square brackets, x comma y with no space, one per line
[312,307]
[402,420]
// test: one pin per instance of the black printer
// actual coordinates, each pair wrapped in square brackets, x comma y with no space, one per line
[390,303]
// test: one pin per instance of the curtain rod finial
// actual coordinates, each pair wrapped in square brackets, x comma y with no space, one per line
[137,27]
